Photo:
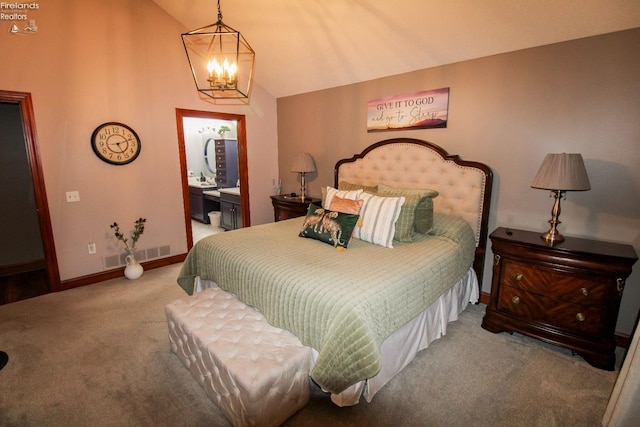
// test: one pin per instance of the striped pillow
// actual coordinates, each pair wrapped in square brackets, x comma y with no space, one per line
[379,216]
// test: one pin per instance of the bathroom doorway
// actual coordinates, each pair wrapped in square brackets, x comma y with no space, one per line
[197,133]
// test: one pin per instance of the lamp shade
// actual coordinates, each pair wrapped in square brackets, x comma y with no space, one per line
[564,172]
[303,162]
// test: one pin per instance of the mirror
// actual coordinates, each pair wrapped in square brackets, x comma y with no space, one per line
[200,144]
[202,141]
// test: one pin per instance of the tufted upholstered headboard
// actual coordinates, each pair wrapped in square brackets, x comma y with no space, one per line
[464,186]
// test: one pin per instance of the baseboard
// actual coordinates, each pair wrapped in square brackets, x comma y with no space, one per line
[118,272]
[484,298]
[622,340]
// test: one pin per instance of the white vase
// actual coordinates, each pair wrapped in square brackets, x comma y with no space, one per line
[133,270]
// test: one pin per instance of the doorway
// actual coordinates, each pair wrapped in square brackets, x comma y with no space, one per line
[206,173]
[28,264]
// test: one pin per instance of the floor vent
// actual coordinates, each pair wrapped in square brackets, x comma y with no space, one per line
[141,255]
[152,253]
[112,261]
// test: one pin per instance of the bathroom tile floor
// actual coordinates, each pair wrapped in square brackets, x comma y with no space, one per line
[201,230]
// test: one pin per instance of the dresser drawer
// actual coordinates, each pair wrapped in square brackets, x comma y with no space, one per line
[523,304]
[576,317]
[561,314]
[286,208]
[547,281]
[281,215]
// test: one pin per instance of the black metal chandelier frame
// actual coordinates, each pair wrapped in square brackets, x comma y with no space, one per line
[213,51]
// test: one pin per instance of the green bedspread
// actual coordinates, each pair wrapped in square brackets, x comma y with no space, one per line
[343,304]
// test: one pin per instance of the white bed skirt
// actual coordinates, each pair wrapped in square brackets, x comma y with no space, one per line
[399,349]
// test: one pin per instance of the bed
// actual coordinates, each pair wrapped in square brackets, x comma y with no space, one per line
[365,307]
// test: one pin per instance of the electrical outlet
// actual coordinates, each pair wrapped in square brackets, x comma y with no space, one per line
[73,196]
[92,248]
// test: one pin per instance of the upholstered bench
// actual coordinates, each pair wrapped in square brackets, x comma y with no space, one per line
[256,373]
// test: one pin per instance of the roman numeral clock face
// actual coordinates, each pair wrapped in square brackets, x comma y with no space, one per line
[115,143]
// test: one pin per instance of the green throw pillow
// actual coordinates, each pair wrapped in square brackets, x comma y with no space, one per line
[423,217]
[405,224]
[344,185]
[333,228]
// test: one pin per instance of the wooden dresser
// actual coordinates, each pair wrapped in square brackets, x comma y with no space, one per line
[285,207]
[567,294]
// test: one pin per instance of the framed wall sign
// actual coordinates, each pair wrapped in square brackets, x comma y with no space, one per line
[422,110]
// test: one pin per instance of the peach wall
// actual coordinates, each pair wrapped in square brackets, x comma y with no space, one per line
[119,60]
[509,111]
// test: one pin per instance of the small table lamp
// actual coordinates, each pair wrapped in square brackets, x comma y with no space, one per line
[303,163]
[560,173]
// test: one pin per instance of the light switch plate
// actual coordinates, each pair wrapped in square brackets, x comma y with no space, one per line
[73,196]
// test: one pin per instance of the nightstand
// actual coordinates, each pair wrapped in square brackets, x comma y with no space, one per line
[286,207]
[567,294]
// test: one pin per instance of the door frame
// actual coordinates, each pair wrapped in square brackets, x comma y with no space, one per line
[23,99]
[242,163]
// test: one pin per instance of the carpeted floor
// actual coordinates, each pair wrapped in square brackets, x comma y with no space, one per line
[99,356]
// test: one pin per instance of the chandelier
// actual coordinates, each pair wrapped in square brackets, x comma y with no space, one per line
[221,60]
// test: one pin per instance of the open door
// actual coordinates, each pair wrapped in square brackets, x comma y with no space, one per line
[28,263]
[243,179]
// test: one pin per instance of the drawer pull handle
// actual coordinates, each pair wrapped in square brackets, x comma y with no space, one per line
[580,317]
[519,277]
[516,299]
[584,291]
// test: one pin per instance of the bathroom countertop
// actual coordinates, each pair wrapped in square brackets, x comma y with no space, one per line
[231,190]
[202,185]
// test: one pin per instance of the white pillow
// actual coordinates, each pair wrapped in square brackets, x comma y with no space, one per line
[331,192]
[378,216]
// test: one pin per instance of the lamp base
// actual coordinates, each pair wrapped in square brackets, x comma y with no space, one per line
[552,236]
[303,186]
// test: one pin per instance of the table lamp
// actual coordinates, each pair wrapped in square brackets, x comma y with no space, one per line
[560,173]
[302,164]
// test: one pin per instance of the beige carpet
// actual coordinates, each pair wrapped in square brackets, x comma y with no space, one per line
[99,356]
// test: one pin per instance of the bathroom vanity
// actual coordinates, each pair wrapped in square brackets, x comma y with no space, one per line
[201,205]
[230,208]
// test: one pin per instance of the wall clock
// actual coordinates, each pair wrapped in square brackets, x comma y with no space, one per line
[115,143]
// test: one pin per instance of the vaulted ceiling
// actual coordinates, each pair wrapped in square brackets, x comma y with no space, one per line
[307,45]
